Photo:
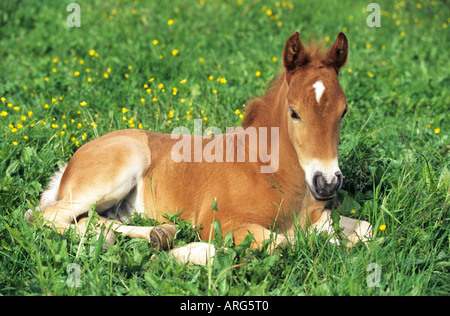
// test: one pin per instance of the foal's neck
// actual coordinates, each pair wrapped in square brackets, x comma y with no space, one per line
[271,111]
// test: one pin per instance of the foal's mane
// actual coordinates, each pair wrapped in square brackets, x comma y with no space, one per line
[257,107]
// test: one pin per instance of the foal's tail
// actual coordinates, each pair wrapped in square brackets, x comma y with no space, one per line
[49,197]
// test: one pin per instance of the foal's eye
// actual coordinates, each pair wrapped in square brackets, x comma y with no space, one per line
[293,114]
[345,112]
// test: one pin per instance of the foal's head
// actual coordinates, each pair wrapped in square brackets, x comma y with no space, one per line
[315,107]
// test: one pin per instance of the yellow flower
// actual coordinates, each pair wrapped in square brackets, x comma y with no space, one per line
[402,33]
[170,22]
[368,46]
[76,73]
[155,42]
[92,52]
[258,73]
[437,130]
[237,112]
[241,116]
[215,91]
[55,60]
[83,103]
[89,79]
[54,126]
[106,75]
[155,99]
[15,143]
[142,100]
[3,113]
[269,12]
[370,74]
[210,77]
[274,59]
[174,52]
[201,59]
[160,86]
[175,91]
[183,81]
[124,110]
[3,99]
[23,118]
[46,79]
[327,39]
[382,227]
[205,118]
[353,211]
[170,114]
[223,80]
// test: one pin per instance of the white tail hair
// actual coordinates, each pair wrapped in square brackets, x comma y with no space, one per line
[50,195]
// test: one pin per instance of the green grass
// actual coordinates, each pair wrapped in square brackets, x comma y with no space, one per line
[394,148]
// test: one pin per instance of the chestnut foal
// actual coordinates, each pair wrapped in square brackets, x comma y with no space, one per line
[135,171]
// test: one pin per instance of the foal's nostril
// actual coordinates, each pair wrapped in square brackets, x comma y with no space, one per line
[339,179]
[320,183]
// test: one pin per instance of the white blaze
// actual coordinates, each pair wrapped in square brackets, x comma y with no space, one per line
[319,88]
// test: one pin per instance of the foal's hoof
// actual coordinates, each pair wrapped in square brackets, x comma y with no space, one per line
[161,237]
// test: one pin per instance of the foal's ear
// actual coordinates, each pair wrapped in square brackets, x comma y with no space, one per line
[337,55]
[294,53]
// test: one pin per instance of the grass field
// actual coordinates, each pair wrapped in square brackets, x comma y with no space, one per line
[155,66]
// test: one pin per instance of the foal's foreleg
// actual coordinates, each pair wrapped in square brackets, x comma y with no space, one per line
[202,253]
[352,229]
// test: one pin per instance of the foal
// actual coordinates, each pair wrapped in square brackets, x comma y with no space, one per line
[134,171]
